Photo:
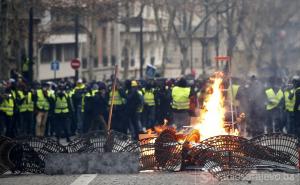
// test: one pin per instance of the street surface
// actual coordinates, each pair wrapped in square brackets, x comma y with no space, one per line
[163,178]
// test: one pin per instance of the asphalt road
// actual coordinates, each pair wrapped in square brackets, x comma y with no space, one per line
[178,178]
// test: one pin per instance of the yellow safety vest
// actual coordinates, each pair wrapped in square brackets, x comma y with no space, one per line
[274,99]
[149,97]
[234,90]
[25,66]
[14,95]
[28,105]
[94,92]
[180,97]
[78,87]
[118,100]
[71,92]
[88,94]
[61,105]
[298,89]
[289,103]
[7,106]
[42,102]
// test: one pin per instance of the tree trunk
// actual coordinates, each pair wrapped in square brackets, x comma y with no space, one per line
[184,61]
[4,35]
[164,58]
[125,54]
[92,43]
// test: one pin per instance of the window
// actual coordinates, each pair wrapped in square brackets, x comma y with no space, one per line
[47,54]
[105,61]
[152,60]
[96,64]
[132,53]
[113,60]
[132,62]
[69,52]
[112,40]
[84,63]
[122,64]
[58,49]
[104,39]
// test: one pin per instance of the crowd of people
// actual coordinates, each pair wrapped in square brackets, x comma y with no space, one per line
[64,109]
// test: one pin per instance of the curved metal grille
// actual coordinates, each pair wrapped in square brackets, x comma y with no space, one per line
[6,146]
[34,151]
[168,152]
[277,147]
[162,153]
[225,157]
[147,154]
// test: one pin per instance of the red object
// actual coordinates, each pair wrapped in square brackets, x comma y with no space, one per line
[75,64]
[222,58]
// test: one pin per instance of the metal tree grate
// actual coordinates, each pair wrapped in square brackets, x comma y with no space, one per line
[279,148]
[224,157]
[6,162]
[35,151]
[147,154]
[168,152]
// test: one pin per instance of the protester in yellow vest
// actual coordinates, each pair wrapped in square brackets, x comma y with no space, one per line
[26,108]
[232,94]
[77,99]
[181,103]
[274,106]
[62,110]
[133,104]
[149,106]
[118,122]
[7,106]
[289,104]
[42,99]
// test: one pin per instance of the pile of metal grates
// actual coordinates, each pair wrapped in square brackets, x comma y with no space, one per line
[225,157]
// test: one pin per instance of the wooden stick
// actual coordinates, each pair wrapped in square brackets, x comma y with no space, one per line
[112,99]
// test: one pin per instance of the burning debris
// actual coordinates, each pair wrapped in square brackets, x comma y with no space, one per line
[214,143]
[212,117]
[211,121]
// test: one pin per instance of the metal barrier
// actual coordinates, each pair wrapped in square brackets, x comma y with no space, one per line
[225,157]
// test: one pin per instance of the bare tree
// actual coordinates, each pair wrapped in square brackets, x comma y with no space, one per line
[265,32]
[12,35]
[191,16]
[164,22]
[233,20]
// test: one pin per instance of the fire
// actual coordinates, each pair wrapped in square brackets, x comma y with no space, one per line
[212,118]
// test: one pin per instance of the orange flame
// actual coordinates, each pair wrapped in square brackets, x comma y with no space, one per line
[149,131]
[213,115]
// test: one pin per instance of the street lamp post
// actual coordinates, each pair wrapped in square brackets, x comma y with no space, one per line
[76,43]
[30,44]
[141,45]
